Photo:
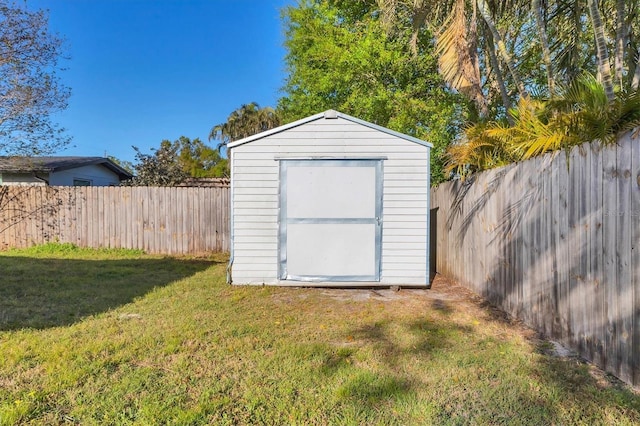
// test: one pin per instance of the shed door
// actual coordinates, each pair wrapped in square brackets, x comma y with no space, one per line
[330,220]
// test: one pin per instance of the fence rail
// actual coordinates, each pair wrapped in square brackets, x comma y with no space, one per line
[154,219]
[555,241]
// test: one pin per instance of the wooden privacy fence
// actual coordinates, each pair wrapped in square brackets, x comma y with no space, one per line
[154,219]
[555,241]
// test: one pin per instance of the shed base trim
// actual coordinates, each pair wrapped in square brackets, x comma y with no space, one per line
[342,284]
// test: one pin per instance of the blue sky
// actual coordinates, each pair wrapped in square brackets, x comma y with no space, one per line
[142,71]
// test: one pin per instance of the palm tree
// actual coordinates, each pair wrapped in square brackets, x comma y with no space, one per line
[457,26]
[602,53]
[621,36]
[580,112]
[573,36]
[541,27]
[486,13]
[245,121]
[604,29]
[456,46]
[635,82]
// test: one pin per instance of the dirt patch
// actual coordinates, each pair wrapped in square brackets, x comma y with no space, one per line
[442,289]
[362,295]
[561,351]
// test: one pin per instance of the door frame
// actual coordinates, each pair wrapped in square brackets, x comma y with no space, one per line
[283,220]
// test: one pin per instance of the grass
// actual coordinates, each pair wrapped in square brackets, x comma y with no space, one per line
[119,337]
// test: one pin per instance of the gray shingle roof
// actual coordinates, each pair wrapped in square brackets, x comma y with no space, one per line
[53,164]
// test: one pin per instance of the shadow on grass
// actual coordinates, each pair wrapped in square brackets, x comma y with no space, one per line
[574,379]
[484,388]
[426,336]
[366,388]
[576,389]
[442,306]
[40,293]
[370,388]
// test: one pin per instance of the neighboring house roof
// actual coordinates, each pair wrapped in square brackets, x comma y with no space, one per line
[55,164]
[328,114]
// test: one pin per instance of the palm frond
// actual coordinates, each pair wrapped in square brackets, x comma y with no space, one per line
[478,151]
[457,57]
[588,114]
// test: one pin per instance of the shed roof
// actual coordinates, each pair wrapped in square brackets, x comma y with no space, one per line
[329,114]
[20,164]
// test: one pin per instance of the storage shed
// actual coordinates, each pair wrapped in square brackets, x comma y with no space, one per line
[330,200]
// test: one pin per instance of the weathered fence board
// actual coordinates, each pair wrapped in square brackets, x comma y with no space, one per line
[177,220]
[635,257]
[624,286]
[556,242]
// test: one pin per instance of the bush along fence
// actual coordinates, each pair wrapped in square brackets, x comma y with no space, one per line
[153,219]
[555,242]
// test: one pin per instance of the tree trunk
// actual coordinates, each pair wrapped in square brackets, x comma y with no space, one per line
[493,60]
[484,10]
[474,66]
[631,41]
[636,75]
[602,55]
[577,15]
[544,42]
[621,41]
[418,20]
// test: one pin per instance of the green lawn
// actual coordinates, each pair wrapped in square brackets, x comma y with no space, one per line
[119,337]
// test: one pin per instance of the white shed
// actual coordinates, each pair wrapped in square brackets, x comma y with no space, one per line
[330,200]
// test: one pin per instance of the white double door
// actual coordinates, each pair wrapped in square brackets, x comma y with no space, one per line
[330,220]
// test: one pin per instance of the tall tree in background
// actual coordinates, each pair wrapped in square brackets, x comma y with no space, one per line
[456,44]
[602,53]
[30,90]
[127,165]
[508,41]
[532,71]
[468,42]
[587,91]
[340,56]
[597,99]
[541,27]
[245,121]
[173,162]
[161,168]
[200,160]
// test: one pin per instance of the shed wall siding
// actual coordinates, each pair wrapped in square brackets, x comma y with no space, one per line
[256,186]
